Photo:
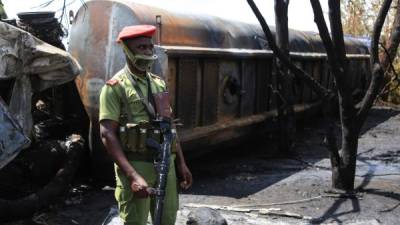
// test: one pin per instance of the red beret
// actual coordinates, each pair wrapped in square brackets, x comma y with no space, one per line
[136,31]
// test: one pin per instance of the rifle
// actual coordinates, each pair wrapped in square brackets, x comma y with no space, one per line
[161,164]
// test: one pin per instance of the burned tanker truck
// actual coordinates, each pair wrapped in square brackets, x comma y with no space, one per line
[220,73]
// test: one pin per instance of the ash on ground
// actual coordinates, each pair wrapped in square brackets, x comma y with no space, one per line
[251,184]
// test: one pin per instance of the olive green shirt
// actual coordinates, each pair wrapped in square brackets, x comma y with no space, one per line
[111,97]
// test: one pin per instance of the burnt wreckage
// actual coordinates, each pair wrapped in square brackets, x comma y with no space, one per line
[38,113]
[221,77]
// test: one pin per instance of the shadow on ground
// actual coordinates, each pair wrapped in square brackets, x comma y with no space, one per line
[251,167]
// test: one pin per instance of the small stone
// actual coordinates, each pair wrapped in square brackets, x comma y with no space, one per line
[205,216]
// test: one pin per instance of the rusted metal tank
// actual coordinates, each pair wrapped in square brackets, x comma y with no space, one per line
[220,73]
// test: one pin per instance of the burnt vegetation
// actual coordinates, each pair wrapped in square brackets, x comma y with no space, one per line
[352,113]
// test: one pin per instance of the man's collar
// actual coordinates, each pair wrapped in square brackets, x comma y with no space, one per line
[136,77]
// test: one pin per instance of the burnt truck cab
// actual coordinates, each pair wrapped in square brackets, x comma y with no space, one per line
[220,73]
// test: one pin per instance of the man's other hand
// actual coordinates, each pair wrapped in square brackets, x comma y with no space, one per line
[185,175]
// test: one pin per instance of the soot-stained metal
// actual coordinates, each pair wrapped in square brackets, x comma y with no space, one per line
[220,73]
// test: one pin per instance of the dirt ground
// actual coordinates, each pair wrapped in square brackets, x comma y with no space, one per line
[269,189]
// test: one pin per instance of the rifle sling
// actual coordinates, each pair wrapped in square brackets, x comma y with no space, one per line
[148,104]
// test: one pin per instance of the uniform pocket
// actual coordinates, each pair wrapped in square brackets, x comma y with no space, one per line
[123,136]
[135,102]
[133,139]
[134,98]
[142,135]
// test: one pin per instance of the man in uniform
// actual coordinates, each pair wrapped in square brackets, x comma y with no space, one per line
[126,104]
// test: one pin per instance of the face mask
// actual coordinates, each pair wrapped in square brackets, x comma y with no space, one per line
[139,61]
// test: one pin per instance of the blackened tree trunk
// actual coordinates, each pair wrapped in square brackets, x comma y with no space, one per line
[344,167]
[351,117]
[286,119]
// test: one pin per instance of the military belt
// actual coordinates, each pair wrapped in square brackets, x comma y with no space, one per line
[139,156]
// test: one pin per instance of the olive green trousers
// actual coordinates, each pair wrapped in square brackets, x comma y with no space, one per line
[135,211]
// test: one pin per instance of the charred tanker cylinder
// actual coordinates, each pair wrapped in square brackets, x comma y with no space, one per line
[220,73]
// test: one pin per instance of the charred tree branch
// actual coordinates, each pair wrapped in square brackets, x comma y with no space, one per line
[323,30]
[386,59]
[332,145]
[331,139]
[336,59]
[341,72]
[324,34]
[393,42]
[312,83]
[394,77]
[284,81]
[376,68]
[390,60]
[281,21]
[337,32]
[377,31]
[26,207]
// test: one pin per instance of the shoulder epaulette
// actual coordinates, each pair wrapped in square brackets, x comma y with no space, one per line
[112,82]
[155,76]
